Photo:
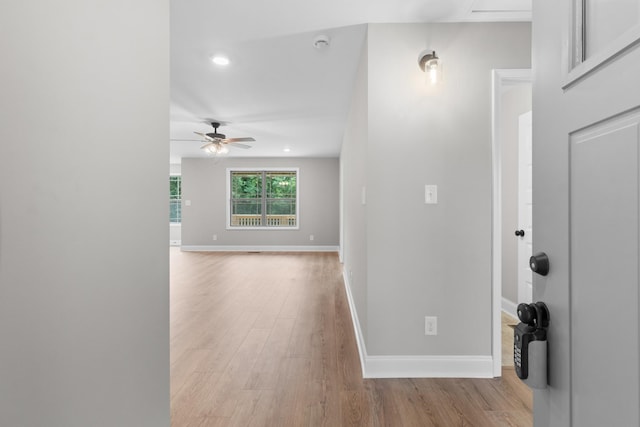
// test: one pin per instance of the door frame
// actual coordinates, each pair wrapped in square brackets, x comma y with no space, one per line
[500,79]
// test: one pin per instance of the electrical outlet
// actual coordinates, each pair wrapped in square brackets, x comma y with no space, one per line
[311,237]
[431,325]
[215,237]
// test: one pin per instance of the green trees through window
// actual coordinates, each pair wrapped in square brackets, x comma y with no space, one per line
[264,198]
[175,199]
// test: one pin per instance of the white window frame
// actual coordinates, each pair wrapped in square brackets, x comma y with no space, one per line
[578,66]
[263,169]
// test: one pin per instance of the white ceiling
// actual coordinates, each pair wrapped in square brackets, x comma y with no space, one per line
[278,88]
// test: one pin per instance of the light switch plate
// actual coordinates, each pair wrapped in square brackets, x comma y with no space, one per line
[431,325]
[431,194]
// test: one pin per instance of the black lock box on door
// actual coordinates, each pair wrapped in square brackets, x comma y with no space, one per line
[530,344]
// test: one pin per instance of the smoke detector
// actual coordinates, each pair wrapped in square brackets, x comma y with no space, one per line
[321,42]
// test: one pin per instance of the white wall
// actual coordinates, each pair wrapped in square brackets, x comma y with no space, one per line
[204,184]
[353,170]
[175,234]
[429,259]
[84,315]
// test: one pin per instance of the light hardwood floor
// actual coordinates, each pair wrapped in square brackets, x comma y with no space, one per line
[508,322]
[266,339]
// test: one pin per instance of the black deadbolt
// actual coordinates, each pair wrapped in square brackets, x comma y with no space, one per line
[539,263]
[520,233]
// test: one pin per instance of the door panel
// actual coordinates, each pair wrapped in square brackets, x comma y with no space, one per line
[604,273]
[585,217]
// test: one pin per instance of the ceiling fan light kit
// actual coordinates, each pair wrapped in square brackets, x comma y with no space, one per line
[215,148]
[216,143]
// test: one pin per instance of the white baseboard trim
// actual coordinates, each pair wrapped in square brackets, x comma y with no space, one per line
[510,307]
[362,350]
[220,248]
[415,366]
[429,367]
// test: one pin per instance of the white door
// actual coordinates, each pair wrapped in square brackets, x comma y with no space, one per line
[586,139]
[525,189]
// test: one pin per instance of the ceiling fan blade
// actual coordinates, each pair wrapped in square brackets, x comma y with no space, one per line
[203,135]
[236,144]
[247,139]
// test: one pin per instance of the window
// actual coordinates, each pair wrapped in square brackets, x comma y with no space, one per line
[263,198]
[175,199]
[601,31]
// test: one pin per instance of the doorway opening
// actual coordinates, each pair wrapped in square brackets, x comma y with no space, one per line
[511,99]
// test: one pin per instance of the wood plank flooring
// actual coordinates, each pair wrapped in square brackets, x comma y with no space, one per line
[508,322]
[266,339]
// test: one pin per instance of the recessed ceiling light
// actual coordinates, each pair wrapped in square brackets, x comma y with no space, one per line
[220,60]
[287,149]
[321,41]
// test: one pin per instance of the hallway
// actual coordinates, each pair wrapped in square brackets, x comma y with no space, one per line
[266,339]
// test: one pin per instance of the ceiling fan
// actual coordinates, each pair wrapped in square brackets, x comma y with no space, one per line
[216,143]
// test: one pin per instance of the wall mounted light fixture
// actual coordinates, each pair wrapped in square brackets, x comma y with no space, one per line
[430,64]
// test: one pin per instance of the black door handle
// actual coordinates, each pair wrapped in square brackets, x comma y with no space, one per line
[520,233]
